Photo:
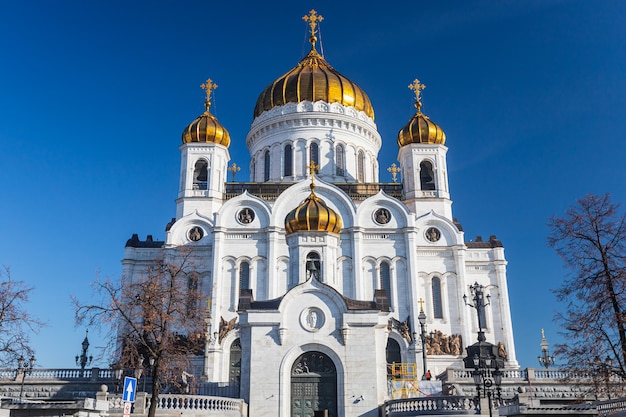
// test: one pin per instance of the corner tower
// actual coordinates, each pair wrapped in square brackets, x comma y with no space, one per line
[422,156]
[204,158]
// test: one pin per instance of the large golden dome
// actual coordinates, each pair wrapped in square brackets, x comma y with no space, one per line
[313,79]
[313,215]
[420,129]
[206,128]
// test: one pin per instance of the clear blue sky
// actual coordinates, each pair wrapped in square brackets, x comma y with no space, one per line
[94,96]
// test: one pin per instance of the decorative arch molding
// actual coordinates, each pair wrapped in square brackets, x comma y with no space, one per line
[285,373]
[178,233]
[226,216]
[450,235]
[333,196]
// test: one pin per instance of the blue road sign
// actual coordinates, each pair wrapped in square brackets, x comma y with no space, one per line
[130,388]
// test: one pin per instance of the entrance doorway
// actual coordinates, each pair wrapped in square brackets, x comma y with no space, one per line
[313,385]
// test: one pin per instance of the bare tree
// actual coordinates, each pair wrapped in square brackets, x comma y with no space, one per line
[158,316]
[591,241]
[16,324]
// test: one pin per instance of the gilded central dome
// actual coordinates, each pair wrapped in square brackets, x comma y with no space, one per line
[313,215]
[313,79]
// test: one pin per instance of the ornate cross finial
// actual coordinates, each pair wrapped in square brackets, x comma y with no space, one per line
[394,169]
[417,88]
[421,302]
[233,170]
[312,167]
[208,86]
[313,19]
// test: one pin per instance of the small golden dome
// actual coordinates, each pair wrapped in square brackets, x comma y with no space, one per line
[313,215]
[313,79]
[420,129]
[206,128]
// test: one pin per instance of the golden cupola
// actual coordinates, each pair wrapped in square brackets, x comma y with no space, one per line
[313,79]
[206,128]
[313,215]
[420,129]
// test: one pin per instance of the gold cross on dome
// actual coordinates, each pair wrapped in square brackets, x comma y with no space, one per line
[421,304]
[233,170]
[313,19]
[208,86]
[208,303]
[417,88]
[394,169]
[312,168]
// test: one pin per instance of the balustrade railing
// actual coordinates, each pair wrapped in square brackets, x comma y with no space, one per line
[431,405]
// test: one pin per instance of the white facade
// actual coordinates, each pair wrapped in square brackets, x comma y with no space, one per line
[406,244]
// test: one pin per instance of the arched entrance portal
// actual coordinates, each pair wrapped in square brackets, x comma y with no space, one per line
[313,385]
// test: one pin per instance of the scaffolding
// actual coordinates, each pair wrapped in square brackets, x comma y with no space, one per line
[402,380]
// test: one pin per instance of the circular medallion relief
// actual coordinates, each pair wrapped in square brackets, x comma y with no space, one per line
[195,233]
[382,216]
[312,319]
[433,234]
[245,216]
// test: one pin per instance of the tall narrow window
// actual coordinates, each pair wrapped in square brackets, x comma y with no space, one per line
[314,155]
[193,286]
[244,276]
[288,166]
[427,178]
[200,175]
[361,166]
[385,279]
[340,160]
[266,160]
[437,307]
[234,368]
[393,354]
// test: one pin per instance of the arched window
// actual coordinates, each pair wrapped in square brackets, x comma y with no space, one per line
[253,169]
[437,307]
[392,353]
[340,160]
[427,178]
[314,265]
[244,276]
[314,155]
[266,160]
[361,167]
[287,165]
[200,175]
[234,368]
[385,279]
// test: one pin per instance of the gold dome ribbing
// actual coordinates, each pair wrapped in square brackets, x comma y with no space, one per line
[420,129]
[205,128]
[313,215]
[313,79]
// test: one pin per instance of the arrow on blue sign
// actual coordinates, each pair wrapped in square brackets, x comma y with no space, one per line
[130,387]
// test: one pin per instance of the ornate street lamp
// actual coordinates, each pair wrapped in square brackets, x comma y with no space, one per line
[24,368]
[83,360]
[118,372]
[545,359]
[483,357]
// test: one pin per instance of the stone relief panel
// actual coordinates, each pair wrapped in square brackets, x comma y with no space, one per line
[438,343]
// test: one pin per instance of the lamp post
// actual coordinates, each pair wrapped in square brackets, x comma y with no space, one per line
[421,318]
[139,371]
[118,371]
[483,357]
[24,368]
[545,359]
[83,360]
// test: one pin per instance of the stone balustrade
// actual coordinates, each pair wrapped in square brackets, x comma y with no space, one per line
[431,405]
